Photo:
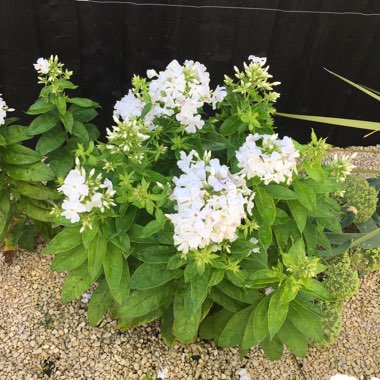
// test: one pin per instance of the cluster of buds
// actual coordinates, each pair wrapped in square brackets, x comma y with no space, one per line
[51,69]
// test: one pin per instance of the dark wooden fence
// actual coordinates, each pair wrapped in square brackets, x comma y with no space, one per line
[106,43]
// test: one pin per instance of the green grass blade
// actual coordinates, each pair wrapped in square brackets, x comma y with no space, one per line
[352,123]
[358,86]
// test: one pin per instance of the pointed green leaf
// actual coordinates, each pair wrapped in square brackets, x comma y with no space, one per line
[277,312]
[96,252]
[76,283]
[99,303]
[69,260]
[148,276]
[113,267]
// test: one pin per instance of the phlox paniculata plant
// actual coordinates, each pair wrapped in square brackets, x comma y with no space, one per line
[195,212]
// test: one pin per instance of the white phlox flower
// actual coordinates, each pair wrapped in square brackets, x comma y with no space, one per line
[128,106]
[84,193]
[275,160]
[243,374]
[210,203]
[3,110]
[260,60]
[74,185]
[162,373]
[42,66]
[71,210]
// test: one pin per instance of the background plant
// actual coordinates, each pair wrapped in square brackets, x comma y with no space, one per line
[24,198]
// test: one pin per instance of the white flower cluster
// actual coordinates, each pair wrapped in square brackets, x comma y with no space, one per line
[210,202]
[274,160]
[347,377]
[178,90]
[84,193]
[3,110]
[51,69]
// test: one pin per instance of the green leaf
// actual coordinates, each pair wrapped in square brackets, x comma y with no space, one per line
[61,161]
[113,267]
[17,154]
[26,207]
[120,294]
[30,173]
[257,320]
[14,134]
[124,222]
[36,191]
[141,302]
[277,312]
[265,234]
[76,283]
[273,348]
[84,115]
[80,131]
[249,296]
[305,320]
[186,323]
[306,195]
[314,170]
[151,228]
[213,325]
[265,277]
[199,287]
[299,214]
[96,252]
[310,236]
[2,140]
[63,83]
[69,260]
[66,240]
[148,276]
[61,104]
[166,327]
[157,254]
[230,126]
[233,333]
[89,234]
[50,141]
[225,301]
[68,121]
[265,205]
[280,192]
[43,123]
[215,142]
[293,339]
[316,288]
[360,124]
[39,107]
[83,102]
[99,303]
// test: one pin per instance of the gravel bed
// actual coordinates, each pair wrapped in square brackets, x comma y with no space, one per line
[42,339]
